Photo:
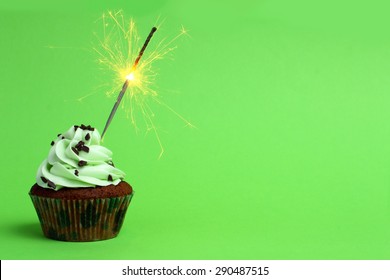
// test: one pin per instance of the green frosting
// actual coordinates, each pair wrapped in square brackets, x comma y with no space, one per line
[76,160]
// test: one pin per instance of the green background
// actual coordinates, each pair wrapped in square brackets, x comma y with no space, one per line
[291,155]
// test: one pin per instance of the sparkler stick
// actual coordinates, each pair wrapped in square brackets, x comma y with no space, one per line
[126,84]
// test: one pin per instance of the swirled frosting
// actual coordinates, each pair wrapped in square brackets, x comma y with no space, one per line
[77,160]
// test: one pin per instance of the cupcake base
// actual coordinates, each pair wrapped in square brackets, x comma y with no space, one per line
[68,218]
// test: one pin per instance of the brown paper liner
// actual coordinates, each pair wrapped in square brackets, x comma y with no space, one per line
[81,219]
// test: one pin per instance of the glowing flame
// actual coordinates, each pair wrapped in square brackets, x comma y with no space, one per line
[130,77]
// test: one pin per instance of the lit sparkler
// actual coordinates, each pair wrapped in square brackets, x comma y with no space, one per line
[129,77]
[118,51]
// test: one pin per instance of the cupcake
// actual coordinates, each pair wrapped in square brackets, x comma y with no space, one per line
[79,194]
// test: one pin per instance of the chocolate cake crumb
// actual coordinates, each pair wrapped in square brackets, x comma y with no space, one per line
[52,143]
[110,178]
[75,151]
[44,179]
[87,136]
[76,172]
[51,184]
[82,163]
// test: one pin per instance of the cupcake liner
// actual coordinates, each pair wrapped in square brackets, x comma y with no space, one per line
[81,219]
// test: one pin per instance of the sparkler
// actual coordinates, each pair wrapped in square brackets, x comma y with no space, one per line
[118,51]
[129,77]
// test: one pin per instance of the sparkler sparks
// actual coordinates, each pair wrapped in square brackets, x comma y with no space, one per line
[129,78]
[119,51]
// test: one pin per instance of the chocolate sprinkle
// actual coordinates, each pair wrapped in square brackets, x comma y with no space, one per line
[87,127]
[75,127]
[82,163]
[59,134]
[52,143]
[63,137]
[87,136]
[75,151]
[110,178]
[51,184]
[80,147]
[85,149]
[44,179]
[76,172]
